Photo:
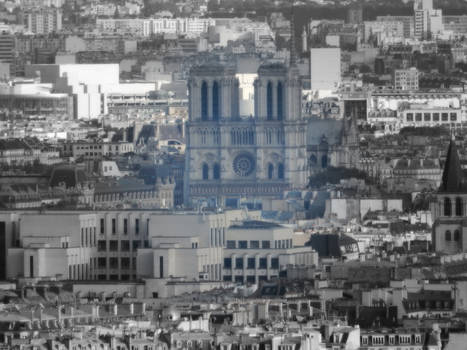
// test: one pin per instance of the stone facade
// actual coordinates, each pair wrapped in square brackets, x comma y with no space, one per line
[230,156]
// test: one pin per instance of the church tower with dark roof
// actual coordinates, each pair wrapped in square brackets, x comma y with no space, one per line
[449,210]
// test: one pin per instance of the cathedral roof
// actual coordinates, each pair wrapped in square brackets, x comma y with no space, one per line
[453,178]
[272,68]
[332,129]
[216,69]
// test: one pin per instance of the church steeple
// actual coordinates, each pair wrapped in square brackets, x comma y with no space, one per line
[293,48]
[453,178]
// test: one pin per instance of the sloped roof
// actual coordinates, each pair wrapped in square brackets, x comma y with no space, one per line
[453,178]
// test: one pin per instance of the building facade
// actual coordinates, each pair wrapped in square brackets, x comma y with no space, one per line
[449,209]
[232,156]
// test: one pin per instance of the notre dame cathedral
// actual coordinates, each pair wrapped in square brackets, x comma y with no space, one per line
[230,156]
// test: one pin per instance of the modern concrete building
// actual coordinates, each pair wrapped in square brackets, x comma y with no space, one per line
[325,68]
[258,251]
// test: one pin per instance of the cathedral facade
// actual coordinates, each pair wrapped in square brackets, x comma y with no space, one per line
[231,157]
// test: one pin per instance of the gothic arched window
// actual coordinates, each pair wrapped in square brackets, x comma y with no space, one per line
[447,207]
[313,160]
[269,101]
[270,171]
[205,171]
[204,101]
[215,101]
[459,207]
[324,161]
[216,171]
[457,235]
[280,171]
[280,102]
[447,235]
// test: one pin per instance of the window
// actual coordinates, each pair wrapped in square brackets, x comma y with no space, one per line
[250,279]
[205,171]
[365,340]
[101,263]
[231,244]
[457,235]
[280,102]
[113,246]
[243,244]
[125,263]
[409,117]
[275,263]
[136,226]
[102,226]
[459,207]
[239,263]
[114,226]
[254,244]
[227,278]
[215,101]
[263,263]
[444,117]
[266,244]
[113,263]
[427,117]
[418,117]
[101,246]
[125,226]
[269,101]
[217,171]
[447,207]
[251,263]
[270,171]
[453,117]
[125,246]
[436,117]
[227,263]
[280,171]
[204,101]
[136,245]
[447,235]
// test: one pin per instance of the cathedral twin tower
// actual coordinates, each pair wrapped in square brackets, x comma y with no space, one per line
[230,156]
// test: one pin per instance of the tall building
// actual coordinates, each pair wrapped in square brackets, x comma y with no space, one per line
[42,20]
[406,79]
[230,156]
[427,20]
[325,68]
[448,211]
[354,15]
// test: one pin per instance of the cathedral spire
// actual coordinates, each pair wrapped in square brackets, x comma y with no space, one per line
[293,49]
[452,180]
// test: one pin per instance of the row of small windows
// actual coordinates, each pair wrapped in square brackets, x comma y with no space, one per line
[125,226]
[242,136]
[216,171]
[210,136]
[449,237]
[215,101]
[270,101]
[280,171]
[251,263]
[459,208]
[278,244]
[124,245]
[428,117]
[274,136]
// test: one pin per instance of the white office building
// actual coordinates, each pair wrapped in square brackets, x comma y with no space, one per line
[325,68]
